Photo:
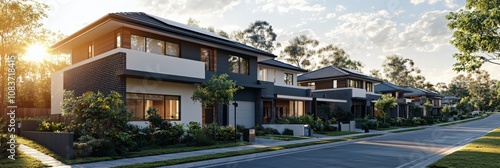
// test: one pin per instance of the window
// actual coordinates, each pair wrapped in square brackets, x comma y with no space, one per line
[118,40]
[91,50]
[238,65]
[296,108]
[369,87]
[353,83]
[263,74]
[334,83]
[172,49]
[168,106]
[288,79]
[154,46]
[207,56]
[137,43]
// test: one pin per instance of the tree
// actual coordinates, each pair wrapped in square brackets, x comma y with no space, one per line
[195,23]
[299,51]
[403,72]
[20,27]
[333,55]
[376,74]
[476,34]
[441,87]
[385,103]
[259,34]
[458,86]
[217,90]
[480,89]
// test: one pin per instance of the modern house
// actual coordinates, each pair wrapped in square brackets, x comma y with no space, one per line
[422,96]
[450,101]
[333,83]
[402,108]
[155,62]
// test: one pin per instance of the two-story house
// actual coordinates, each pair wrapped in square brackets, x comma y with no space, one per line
[155,62]
[421,96]
[402,108]
[343,84]
[450,101]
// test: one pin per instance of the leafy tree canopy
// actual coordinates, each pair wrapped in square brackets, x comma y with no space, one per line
[476,34]
[217,90]
[299,51]
[333,55]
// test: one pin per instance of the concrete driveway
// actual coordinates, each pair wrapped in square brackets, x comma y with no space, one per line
[410,149]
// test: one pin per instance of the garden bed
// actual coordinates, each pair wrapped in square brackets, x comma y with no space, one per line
[336,133]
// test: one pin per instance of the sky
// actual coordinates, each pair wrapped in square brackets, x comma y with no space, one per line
[368,30]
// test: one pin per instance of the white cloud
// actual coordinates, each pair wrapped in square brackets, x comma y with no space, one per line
[284,6]
[188,7]
[340,8]
[447,3]
[330,15]
[364,30]
[428,33]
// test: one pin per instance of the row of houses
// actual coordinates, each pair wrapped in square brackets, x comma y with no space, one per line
[155,62]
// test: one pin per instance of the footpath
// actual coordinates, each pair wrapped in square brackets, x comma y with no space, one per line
[260,143]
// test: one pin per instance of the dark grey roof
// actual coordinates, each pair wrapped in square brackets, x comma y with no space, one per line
[333,72]
[165,25]
[421,92]
[387,87]
[276,63]
[451,98]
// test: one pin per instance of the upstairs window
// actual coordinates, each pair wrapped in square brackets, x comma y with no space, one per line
[207,56]
[353,83]
[137,43]
[154,46]
[172,49]
[238,65]
[288,79]
[91,50]
[369,87]
[118,40]
[263,74]
[335,84]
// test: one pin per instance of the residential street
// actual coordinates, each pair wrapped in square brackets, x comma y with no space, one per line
[410,149]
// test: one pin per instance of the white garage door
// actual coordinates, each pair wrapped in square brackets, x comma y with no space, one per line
[245,114]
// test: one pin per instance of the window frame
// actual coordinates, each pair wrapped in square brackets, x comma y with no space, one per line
[211,58]
[285,78]
[144,95]
[239,65]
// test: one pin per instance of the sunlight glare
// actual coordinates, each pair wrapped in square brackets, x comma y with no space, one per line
[36,53]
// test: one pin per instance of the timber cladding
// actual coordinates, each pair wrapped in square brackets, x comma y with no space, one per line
[99,75]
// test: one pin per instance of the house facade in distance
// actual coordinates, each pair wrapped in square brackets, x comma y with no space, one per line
[420,96]
[155,62]
[355,88]
[402,108]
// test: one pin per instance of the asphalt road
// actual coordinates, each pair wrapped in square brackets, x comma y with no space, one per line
[409,149]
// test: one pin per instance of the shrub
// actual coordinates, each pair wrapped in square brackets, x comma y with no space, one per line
[141,137]
[240,128]
[287,131]
[47,126]
[168,134]
[341,115]
[154,118]
[101,147]
[82,149]
[271,131]
[203,137]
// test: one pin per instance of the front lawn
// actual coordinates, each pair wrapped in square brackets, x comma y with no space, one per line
[283,137]
[146,152]
[336,133]
[22,160]
[483,152]
[385,129]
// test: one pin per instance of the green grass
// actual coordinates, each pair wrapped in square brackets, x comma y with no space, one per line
[283,137]
[146,152]
[484,152]
[336,133]
[460,122]
[22,160]
[408,130]
[239,153]
[385,129]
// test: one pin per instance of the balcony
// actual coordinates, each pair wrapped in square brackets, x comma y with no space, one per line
[161,64]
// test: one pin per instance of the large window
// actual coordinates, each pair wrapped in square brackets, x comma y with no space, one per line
[137,43]
[207,56]
[238,65]
[369,87]
[155,46]
[152,45]
[288,79]
[353,83]
[168,106]
[297,108]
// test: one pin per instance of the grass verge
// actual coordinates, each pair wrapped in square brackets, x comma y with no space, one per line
[239,153]
[283,137]
[483,152]
[22,160]
[408,130]
[385,129]
[146,152]
[460,122]
[336,133]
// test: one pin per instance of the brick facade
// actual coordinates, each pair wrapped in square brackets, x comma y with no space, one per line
[99,75]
